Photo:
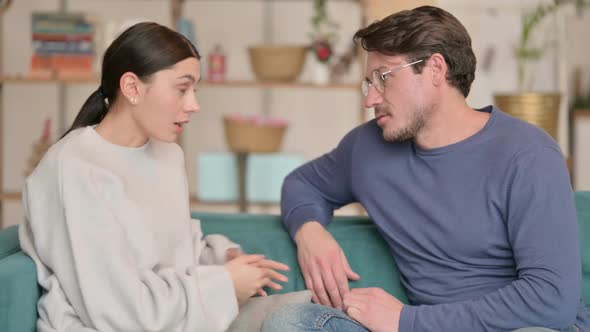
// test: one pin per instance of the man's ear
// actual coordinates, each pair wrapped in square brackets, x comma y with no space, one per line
[131,87]
[439,69]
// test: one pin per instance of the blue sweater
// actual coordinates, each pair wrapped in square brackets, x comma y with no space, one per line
[483,231]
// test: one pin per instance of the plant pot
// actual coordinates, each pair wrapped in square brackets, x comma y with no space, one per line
[539,109]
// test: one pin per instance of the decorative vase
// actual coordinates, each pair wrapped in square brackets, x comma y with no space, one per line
[321,73]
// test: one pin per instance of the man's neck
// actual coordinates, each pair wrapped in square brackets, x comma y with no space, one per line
[450,122]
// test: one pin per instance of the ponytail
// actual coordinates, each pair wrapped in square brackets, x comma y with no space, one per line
[92,112]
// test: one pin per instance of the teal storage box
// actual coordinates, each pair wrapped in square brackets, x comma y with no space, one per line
[265,172]
[217,177]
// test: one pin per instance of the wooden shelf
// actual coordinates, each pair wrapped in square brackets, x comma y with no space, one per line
[29,79]
[230,84]
[581,112]
[10,196]
[265,84]
[17,196]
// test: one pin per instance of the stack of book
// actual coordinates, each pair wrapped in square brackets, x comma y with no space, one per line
[63,45]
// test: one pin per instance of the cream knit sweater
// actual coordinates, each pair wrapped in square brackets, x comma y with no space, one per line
[110,232]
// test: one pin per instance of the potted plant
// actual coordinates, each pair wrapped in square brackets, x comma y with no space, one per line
[541,109]
[323,36]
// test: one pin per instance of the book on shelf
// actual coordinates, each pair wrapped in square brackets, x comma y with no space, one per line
[63,44]
[49,47]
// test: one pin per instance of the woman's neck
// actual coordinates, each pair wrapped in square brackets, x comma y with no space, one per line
[120,128]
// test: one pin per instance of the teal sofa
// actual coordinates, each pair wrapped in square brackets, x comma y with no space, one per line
[367,252]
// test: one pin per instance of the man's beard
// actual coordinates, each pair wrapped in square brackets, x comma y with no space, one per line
[417,122]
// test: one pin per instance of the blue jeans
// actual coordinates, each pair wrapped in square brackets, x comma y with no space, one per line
[315,317]
[310,317]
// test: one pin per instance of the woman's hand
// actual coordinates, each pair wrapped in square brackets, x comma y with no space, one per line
[232,253]
[250,273]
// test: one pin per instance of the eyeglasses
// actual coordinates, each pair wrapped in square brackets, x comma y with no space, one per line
[378,79]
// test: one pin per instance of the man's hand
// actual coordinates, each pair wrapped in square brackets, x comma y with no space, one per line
[324,265]
[374,308]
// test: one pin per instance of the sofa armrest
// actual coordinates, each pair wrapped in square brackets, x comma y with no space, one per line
[19,291]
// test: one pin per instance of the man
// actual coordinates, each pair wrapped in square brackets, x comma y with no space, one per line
[475,205]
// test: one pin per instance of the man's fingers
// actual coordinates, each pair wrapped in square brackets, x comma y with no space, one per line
[321,292]
[309,286]
[332,289]
[341,281]
[350,274]
[318,287]
[355,305]
[354,313]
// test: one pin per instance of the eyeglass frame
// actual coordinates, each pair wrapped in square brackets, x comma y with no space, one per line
[366,83]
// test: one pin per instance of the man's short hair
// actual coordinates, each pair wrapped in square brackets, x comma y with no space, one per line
[418,33]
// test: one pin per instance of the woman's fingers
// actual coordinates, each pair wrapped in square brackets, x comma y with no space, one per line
[270,264]
[249,259]
[274,285]
[272,274]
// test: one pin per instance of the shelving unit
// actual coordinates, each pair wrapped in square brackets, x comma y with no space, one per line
[62,82]
[267,88]
[228,83]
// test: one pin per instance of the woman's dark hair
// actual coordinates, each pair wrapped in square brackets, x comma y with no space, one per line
[419,33]
[142,49]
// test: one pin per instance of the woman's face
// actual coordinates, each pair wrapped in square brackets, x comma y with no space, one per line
[168,100]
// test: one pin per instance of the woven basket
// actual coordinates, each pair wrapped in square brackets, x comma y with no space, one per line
[250,137]
[277,63]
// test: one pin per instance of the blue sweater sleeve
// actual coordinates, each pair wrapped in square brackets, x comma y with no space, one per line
[313,191]
[542,230]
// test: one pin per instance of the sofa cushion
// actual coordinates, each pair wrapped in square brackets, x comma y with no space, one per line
[583,209]
[359,238]
[9,241]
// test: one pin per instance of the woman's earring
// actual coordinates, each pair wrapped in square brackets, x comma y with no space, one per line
[133,100]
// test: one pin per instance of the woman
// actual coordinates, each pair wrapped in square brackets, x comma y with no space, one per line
[107,212]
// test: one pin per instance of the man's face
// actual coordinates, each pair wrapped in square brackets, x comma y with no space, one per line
[402,108]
